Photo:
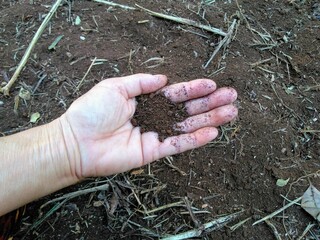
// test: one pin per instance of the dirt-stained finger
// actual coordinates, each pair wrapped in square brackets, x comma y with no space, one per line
[181,92]
[213,118]
[220,97]
[184,142]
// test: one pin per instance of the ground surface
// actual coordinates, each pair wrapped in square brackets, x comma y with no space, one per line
[275,137]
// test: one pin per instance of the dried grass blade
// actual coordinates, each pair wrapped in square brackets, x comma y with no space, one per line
[115,4]
[184,21]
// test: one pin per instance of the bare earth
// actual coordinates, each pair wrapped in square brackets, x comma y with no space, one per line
[273,60]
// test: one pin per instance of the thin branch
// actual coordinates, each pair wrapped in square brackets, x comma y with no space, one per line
[6,89]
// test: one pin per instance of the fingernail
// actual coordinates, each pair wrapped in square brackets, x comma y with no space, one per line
[234,94]
[233,111]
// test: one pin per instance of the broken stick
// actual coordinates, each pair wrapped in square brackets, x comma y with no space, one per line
[6,89]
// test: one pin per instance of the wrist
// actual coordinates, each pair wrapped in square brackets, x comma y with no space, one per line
[67,148]
[35,163]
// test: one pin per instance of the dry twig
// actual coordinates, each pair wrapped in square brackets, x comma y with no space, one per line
[239,224]
[207,227]
[274,229]
[71,195]
[6,89]
[225,41]
[308,228]
[64,199]
[255,64]
[170,205]
[169,163]
[184,21]
[85,75]
[115,4]
[192,215]
[278,211]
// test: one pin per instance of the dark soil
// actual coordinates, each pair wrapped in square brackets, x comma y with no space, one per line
[150,115]
[273,61]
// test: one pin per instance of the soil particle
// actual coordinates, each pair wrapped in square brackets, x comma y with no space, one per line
[149,115]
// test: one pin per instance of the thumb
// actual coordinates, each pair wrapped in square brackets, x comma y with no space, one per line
[138,84]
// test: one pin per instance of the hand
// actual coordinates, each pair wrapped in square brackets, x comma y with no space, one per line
[108,143]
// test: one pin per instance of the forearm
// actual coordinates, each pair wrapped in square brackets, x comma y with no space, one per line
[35,163]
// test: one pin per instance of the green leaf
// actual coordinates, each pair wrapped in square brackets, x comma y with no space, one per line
[282,182]
[55,42]
[34,117]
[78,21]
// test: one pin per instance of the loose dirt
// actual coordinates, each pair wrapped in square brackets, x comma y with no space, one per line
[273,61]
[165,115]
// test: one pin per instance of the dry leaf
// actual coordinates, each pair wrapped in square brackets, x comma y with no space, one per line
[311,202]
[137,172]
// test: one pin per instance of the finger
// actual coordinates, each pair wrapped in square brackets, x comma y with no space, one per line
[181,92]
[153,150]
[138,84]
[218,98]
[184,142]
[213,118]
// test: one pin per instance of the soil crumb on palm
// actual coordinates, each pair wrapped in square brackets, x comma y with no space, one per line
[157,114]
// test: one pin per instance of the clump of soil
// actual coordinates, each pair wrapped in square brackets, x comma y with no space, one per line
[156,113]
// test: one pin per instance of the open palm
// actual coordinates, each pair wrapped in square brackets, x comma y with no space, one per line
[108,143]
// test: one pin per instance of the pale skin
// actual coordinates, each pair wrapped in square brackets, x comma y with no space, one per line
[96,138]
